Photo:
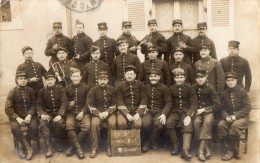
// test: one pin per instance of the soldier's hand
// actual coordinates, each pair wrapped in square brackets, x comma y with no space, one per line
[101,116]
[72,103]
[20,121]
[105,114]
[162,118]
[34,79]
[129,117]
[77,56]
[233,118]
[133,48]
[136,117]
[182,45]
[28,118]
[228,119]
[80,116]
[45,117]
[187,120]
[57,119]
[56,46]
[200,111]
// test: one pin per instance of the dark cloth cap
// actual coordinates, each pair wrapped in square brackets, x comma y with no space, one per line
[178,49]
[49,74]
[102,25]
[200,73]
[176,21]
[231,75]
[178,71]
[26,48]
[56,24]
[155,71]
[205,46]
[102,74]
[121,40]
[78,22]
[152,21]
[130,68]
[126,23]
[152,48]
[21,73]
[234,43]
[62,48]
[202,25]
[93,48]
[73,70]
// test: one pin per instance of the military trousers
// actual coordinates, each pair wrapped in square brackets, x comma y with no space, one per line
[202,126]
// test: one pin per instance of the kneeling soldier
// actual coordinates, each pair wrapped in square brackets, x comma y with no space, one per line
[102,104]
[20,108]
[77,115]
[159,106]
[51,106]
[235,116]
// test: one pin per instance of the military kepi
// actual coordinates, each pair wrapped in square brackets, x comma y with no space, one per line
[102,25]
[152,21]
[21,73]
[93,48]
[231,75]
[202,25]
[126,24]
[200,73]
[61,48]
[155,71]
[49,74]
[176,21]
[102,74]
[205,46]
[26,48]
[56,24]
[121,40]
[178,49]
[130,68]
[152,48]
[234,43]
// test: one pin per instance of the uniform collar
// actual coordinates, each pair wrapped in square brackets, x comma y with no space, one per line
[103,37]
[76,85]
[127,82]
[153,60]
[177,33]
[233,57]
[153,33]
[80,34]
[178,62]
[202,36]
[59,35]
[205,59]
[95,61]
[155,85]
[231,89]
[127,35]
[63,62]
[22,87]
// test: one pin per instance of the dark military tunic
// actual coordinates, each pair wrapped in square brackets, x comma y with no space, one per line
[241,67]
[131,40]
[158,64]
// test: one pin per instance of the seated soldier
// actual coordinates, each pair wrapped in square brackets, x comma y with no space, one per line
[159,106]
[20,108]
[77,115]
[235,116]
[209,103]
[51,106]
[185,104]
[131,101]
[102,104]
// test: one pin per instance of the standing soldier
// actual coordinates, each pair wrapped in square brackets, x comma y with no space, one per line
[77,115]
[81,44]
[213,68]
[154,62]
[235,116]
[108,46]
[20,108]
[240,65]
[185,105]
[34,70]
[159,107]
[56,41]
[131,40]
[123,60]
[102,104]
[154,38]
[202,38]
[209,103]
[178,39]
[51,106]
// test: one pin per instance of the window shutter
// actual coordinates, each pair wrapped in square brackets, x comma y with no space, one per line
[220,13]
[136,14]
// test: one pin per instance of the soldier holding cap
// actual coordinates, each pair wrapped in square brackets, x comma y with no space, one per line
[202,38]
[212,67]
[185,105]
[159,106]
[108,46]
[209,103]
[131,40]
[154,62]
[178,39]
[238,64]
[56,41]
[77,114]
[131,101]
[51,105]
[123,60]
[102,103]
[177,62]
[236,107]
[154,38]
[20,108]
[35,70]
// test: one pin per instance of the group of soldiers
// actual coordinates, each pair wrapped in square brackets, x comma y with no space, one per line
[181,84]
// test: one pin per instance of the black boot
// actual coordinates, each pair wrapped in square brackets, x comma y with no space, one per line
[229,154]
[235,144]
[186,146]
[174,140]
[201,155]
[27,149]
[49,152]
[74,141]
[175,150]
[70,151]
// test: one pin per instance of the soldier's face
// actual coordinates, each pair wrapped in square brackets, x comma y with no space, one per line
[123,47]
[201,79]
[152,27]
[76,78]
[204,53]
[179,79]
[154,78]
[231,82]
[57,30]
[103,82]
[177,28]
[62,55]
[96,55]
[21,81]
[233,51]
[202,31]
[50,81]
[178,56]
[102,32]
[127,29]
[79,28]
[152,54]
[28,54]
[130,75]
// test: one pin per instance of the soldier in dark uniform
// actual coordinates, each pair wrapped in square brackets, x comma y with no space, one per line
[202,38]
[77,114]
[34,70]
[159,106]
[185,105]
[20,109]
[102,104]
[238,64]
[177,62]
[81,44]
[235,116]
[154,62]
[213,68]
[131,101]
[51,106]
[56,41]
[108,46]
[209,103]
[154,38]
[131,40]
[178,39]
[123,60]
